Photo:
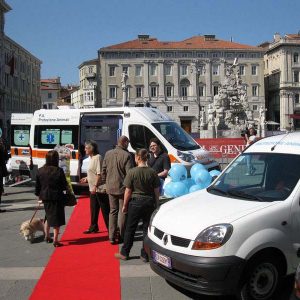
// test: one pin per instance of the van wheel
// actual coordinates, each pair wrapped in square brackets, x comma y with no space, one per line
[261,279]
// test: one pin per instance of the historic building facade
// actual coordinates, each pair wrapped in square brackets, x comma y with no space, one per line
[282,80]
[179,78]
[50,92]
[19,77]
[87,95]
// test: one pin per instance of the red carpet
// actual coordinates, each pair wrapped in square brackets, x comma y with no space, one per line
[85,268]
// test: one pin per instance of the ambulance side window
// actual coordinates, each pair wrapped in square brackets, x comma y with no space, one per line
[140,136]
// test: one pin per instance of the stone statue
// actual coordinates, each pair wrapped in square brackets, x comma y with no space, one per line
[211,115]
[124,80]
[262,115]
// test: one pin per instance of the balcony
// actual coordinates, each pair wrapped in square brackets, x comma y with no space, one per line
[90,75]
[289,84]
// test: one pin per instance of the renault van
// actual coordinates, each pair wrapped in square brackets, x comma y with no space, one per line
[72,127]
[241,235]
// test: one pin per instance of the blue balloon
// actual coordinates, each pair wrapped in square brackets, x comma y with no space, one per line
[202,176]
[214,173]
[189,182]
[178,172]
[195,168]
[195,187]
[207,183]
[179,189]
[168,188]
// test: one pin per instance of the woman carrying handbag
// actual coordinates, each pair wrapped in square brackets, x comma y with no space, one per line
[50,186]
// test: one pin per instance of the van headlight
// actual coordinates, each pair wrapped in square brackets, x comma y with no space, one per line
[213,237]
[152,217]
[187,157]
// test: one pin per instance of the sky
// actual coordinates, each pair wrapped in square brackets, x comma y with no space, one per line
[64,33]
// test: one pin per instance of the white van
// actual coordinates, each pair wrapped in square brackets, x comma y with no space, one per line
[104,125]
[239,236]
[19,140]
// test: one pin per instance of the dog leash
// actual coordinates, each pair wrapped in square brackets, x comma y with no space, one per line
[35,213]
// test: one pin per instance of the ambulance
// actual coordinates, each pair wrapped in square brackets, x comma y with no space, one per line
[19,140]
[240,236]
[72,127]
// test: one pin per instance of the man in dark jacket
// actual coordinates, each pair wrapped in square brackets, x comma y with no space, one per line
[116,164]
[3,170]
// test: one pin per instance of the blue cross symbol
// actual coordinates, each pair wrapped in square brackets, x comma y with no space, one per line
[21,137]
[50,138]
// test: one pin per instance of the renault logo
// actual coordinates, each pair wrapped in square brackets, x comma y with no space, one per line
[165,240]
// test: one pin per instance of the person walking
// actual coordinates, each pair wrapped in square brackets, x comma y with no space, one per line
[98,199]
[50,184]
[140,199]
[3,170]
[116,164]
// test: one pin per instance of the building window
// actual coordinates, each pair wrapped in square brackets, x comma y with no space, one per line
[91,69]
[254,107]
[201,91]
[215,55]
[139,92]
[169,91]
[112,92]
[254,90]
[215,69]
[138,70]
[169,108]
[296,57]
[49,95]
[153,70]
[216,90]
[185,108]
[254,70]
[112,71]
[183,70]
[153,91]
[184,92]
[200,70]
[168,70]
[50,105]
[242,70]
[297,99]
[296,76]
[125,69]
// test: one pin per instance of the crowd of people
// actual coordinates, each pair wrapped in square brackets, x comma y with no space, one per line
[124,189]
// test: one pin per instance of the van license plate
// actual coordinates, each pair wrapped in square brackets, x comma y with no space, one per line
[162,259]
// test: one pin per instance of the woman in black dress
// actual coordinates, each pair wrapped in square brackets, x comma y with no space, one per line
[50,184]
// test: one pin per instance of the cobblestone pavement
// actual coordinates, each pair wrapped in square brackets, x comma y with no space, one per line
[22,263]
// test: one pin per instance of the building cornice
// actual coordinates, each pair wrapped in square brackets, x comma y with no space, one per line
[4,6]
[8,39]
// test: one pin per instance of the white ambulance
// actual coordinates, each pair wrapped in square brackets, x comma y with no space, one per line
[73,127]
[19,140]
[241,235]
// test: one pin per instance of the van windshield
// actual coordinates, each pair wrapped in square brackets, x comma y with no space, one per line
[262,177]
[176,136]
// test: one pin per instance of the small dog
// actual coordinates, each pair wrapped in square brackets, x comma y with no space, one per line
[28,230]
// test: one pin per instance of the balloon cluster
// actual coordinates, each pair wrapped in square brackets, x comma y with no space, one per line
[181,185]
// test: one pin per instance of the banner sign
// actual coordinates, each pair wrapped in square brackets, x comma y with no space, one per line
[223,147]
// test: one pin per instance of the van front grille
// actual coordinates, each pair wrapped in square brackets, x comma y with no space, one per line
[158,233]
[180,242]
